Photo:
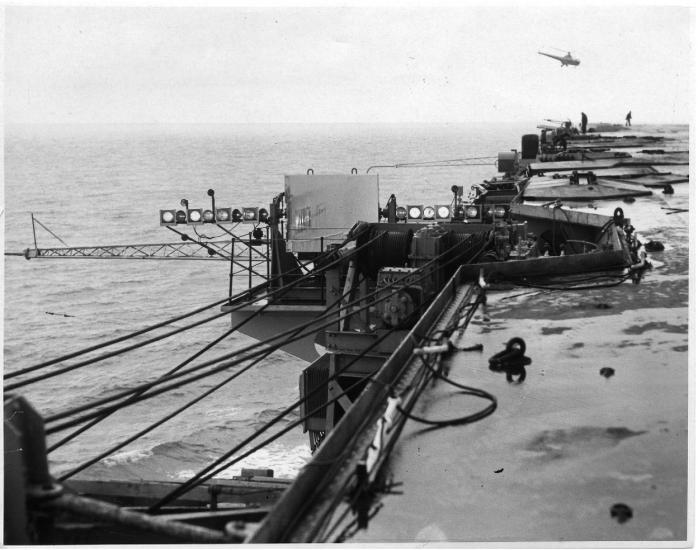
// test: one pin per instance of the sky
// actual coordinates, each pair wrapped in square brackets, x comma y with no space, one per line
[396,64]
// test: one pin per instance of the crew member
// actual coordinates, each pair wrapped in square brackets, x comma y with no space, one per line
[628,117]
[584,123]
[561,135]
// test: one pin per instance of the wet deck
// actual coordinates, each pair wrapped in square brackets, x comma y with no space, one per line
[564,446]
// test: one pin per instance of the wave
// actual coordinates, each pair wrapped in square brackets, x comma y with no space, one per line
[128,457]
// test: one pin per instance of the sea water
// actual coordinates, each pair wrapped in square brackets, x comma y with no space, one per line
[104,185]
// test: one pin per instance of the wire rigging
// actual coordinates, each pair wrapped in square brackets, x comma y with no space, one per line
[115,340]
[207,472]
[219,368]
[238,298]
[218,465]
[153,426]
[181,365]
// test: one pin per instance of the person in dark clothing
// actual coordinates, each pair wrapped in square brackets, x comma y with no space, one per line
[584,123]
[561,135]
[628,117]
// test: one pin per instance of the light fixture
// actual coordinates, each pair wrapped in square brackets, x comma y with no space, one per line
[167,217]
[401,213]
[473,212]
[443,211]
[250,214]
[500,211]
[194,216]
[414,212]
[428,213]
[263,215]
[181,216]
[208,216]
[237,215]
[459,212]
[224,215]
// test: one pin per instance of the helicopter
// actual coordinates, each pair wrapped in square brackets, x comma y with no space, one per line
[564,60]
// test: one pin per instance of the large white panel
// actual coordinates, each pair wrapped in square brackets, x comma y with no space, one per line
[327,206]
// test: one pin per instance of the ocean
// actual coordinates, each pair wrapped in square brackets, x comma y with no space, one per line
[104,185]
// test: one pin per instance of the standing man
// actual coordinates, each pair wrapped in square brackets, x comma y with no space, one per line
[628,117]
[584,123]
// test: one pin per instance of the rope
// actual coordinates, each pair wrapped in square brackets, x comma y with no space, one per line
[52,233]
[435,163]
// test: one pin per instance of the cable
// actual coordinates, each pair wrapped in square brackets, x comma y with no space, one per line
[174,385]
[214,468]
[340,491]
[249,348]
[201,366]
[467,419]
[104,356]
[435,163]
[203,476]
[200,475]
[251,291]
[126,403]
[148,429]
[113,341]
[69,368]
[172,415]
[70,424]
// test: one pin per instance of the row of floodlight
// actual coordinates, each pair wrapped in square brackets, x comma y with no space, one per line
[469,212]
[196,216]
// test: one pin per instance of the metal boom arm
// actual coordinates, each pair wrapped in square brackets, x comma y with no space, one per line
[161,251]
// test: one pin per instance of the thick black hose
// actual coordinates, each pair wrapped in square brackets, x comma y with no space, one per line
[467,390]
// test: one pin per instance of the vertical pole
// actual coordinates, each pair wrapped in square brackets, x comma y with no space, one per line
[267,256]
[322,275]
[347,294]
[230,279]
[34,232]
[249,272]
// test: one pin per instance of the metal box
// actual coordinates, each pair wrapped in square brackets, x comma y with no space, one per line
[507,162]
